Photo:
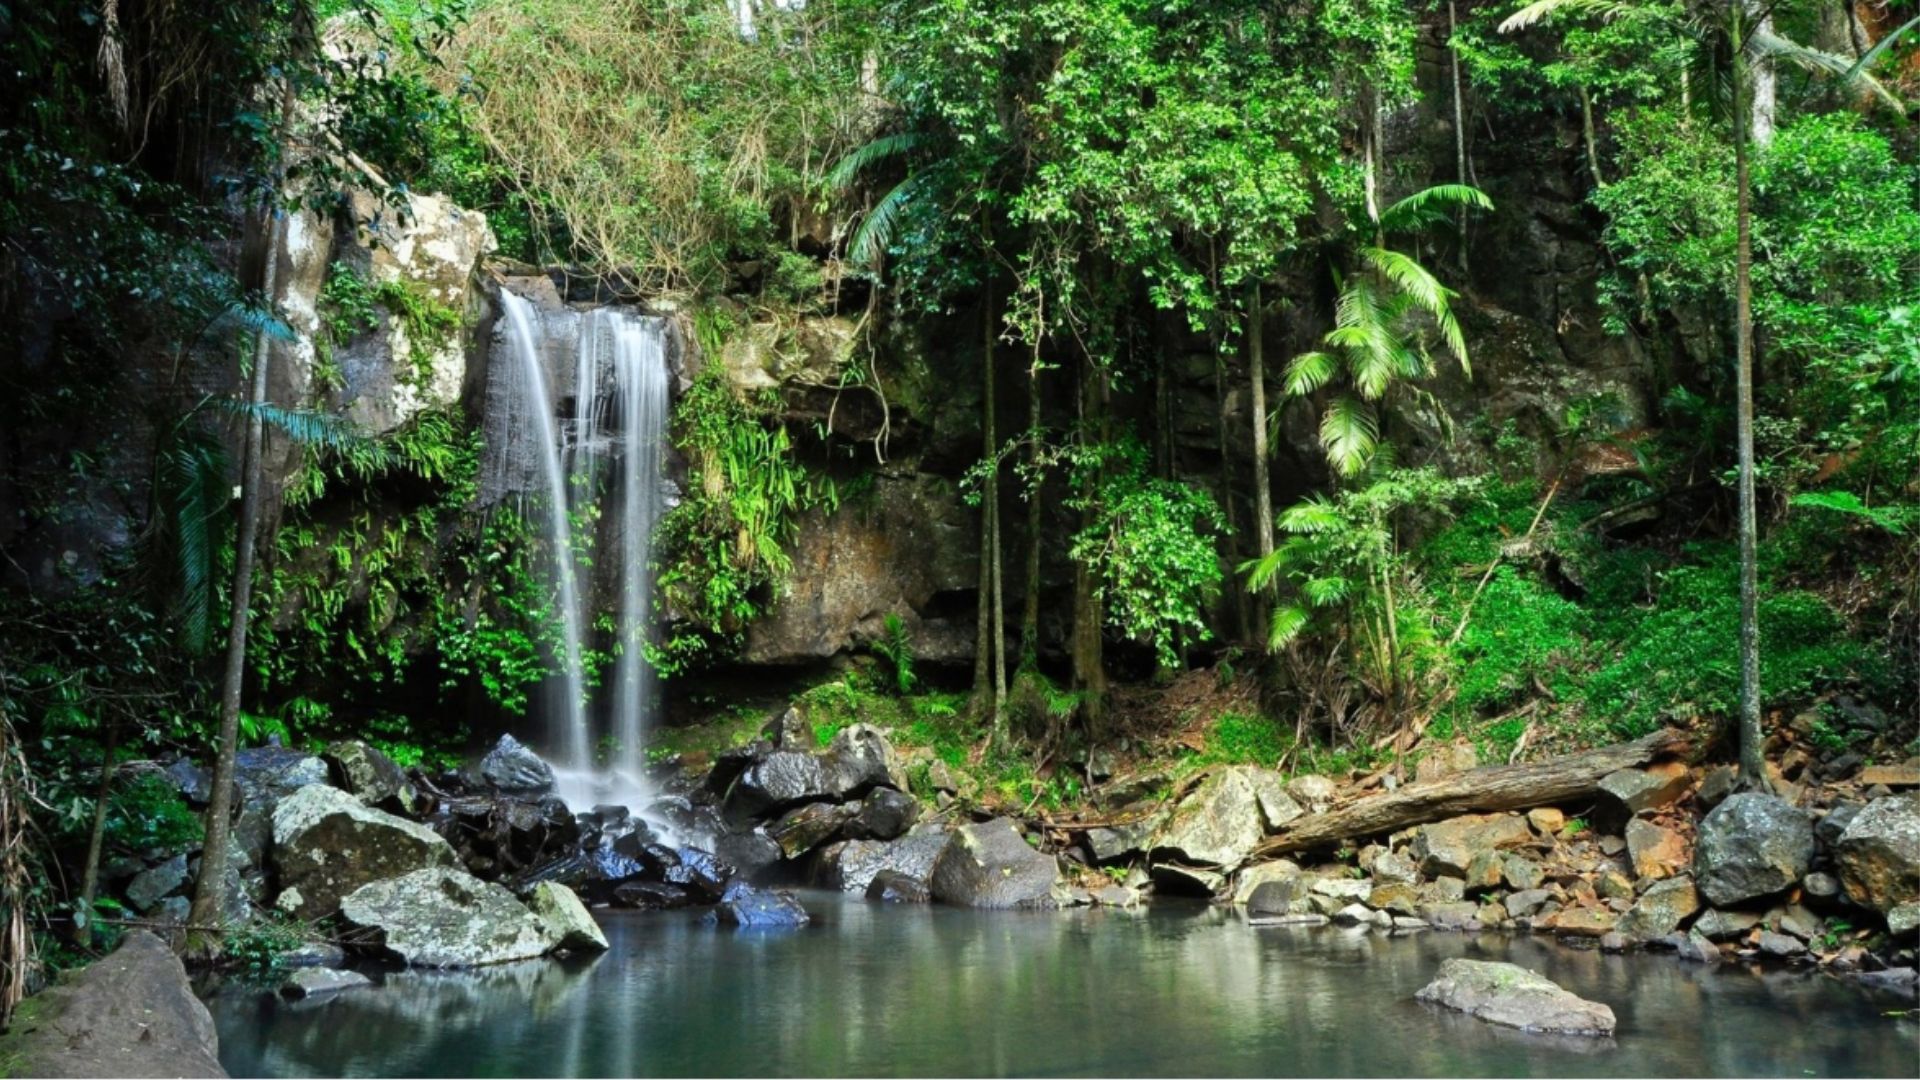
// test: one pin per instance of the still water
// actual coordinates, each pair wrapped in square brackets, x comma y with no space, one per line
[1172,990]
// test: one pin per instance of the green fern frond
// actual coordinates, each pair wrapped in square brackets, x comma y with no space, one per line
[1432,206]
[871,239]
[1288,621]
[1348,433]
[842,175]
[1309,372]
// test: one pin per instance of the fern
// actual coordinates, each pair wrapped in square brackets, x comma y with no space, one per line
[1893,519]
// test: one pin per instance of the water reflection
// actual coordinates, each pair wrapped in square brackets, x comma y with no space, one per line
[885,990]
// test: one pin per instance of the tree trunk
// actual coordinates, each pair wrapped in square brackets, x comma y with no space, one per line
[1752,762]
[1089,661]
[1502,787]
[1030,600]
[983,643]
[96,840]
[1459,125]
[1765,91]
[1257,380]
[208,909]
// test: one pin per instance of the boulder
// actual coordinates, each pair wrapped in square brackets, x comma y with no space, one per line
[894,887]
[1285,896]
[131,1014]
[860,759]
[1696,947]
[1547,820]
[885,814]
[1315,793]
[1750,846]
[156,883]
[753,908]
[1579,921]
[1446,761]
[1526,902]
[1655,850]
[650,895]
[1117,842]
[444,918]
[1453,915]
[1717,925]
[500,836]
[266,774]
[1522,874]
[1258,874]
[788,730]
[1719,783]
[1223,819]
[1904,919]
[851,866]
[1781,946]
[1650,788]
[751,853]
[1660,910]
[1397,897]
[1448,847]
[510,768]
[775,782]
[1395,867]
[326,844]
[1879,853]
[568,923]
[802,829]
[313,982]
[991,865]
[370,776]
[1512,996]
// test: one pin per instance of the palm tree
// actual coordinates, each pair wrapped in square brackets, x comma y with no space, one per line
[1380,330]
[1743,33]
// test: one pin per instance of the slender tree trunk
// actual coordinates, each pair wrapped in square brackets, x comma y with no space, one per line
[1030,600]
[96,840]
[983,643]
[1752,760]
[1592,141]
[208,909]
[1089,662]
[1257,378]
[1459,125]
[1765,91]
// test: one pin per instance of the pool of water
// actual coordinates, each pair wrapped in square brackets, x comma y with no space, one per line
[1174,990]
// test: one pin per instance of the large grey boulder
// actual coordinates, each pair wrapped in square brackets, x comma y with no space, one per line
[1879,853]
[1647,789]
[369,775]
[326,844]
[444,918]
[860,759]
[511,768]
[131,1014]
[156,883]
[569,924]
[1750,846]
[885,814]
[1514,997]
[1449,847]
[1225,818]
[851,866]
[1660,910]
[990,865]
[776,781]
[801,830]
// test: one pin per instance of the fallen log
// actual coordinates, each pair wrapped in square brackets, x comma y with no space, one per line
[1500,787]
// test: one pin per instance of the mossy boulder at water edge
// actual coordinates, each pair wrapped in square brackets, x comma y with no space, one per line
[1751,846]
[444,918]
[326,844]
[131,1014]
[1879,853]
[1221,822]
[1514,997]
[567,920]
[991,865]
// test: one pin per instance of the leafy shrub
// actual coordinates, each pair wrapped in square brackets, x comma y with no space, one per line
[150,813]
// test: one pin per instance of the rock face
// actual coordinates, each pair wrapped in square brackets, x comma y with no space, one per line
[1751,846]
[1448,847]
[990,865]
[326,844]
[1220,823]
[566,919]
[885,814]
[806,828]
[444,918]
[1879,853]
[1512,996]
[131,1014]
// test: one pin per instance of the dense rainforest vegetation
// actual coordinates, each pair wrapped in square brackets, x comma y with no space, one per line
[1194,304]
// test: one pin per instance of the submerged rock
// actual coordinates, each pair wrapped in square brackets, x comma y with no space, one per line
[1514,997]
[894,887]
[1879,853]
[131,1014]
[326,844]
[1751,846]
[444,918]
[315,982]
[990,865]
[751,907]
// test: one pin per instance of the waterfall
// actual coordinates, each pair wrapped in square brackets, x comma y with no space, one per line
[572,747]
[640,371]
[612,450]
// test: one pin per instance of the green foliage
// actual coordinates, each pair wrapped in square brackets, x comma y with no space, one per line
[1149,542]
[896,648]
[149,814]
[723,547]
[1237,738]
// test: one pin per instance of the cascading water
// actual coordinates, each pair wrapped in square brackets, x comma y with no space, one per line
[617,435]
[574,748]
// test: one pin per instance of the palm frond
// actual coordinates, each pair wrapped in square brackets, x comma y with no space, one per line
[1288,621]
[1871,56]
[1309,516]
[1542,10]
[256,320]
[1773,45]
[1260,572]
[1326,591]
[307,426]
[870,240]
[1309,372]
[1418,284]
[856,160]
[1432,206]
[191,495]
[1348,433]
